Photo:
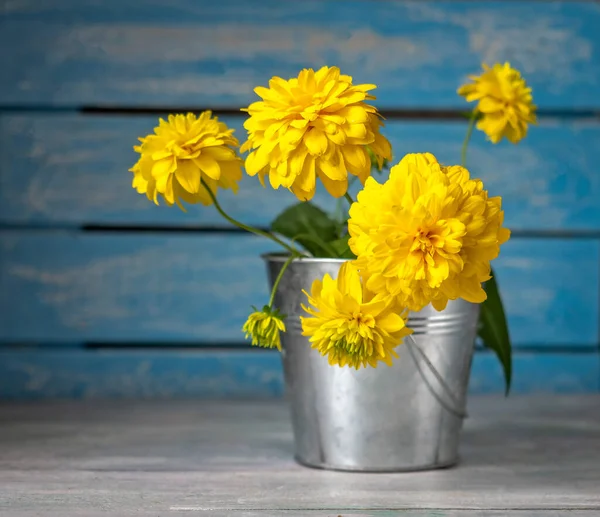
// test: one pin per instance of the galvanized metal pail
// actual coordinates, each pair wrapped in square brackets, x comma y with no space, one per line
[396,418]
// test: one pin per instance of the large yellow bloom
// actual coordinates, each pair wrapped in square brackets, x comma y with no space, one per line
[504,102]
[264,328]
[315,125]
[428,234]
[180,152]
[351,325]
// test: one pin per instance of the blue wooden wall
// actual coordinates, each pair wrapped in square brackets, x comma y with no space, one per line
[105,295]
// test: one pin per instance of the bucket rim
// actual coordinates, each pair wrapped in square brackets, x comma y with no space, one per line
[282,257]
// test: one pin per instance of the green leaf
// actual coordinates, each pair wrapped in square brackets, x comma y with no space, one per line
[342,248]
[493,329]
[309,226]
[324,248]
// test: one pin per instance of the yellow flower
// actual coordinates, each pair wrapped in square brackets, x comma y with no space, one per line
[180,153]
[505,102]
[264,327]
[315,125]
[428,234]
[351,325]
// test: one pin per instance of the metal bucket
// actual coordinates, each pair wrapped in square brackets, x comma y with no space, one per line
[397,418]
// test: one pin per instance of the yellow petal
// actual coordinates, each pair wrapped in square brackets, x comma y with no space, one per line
[333,167]
[188,176]
[355,114]
[306,181]
[316,141]
[202,196]
[335,188]
[274,179]
[163,167]
[471,290]
[357,160]
[297,160]
[439,304]
[231,174]
[503,235]
[391,322]
[256,161]
[349,282]
[358,132]
[168,192]
[208,165]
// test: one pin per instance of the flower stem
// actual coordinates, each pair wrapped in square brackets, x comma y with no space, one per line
[279,277]
[349,198]
[463,153]
[339,213]
[243,226]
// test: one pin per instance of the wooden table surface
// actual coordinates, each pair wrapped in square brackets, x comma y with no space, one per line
[521,456]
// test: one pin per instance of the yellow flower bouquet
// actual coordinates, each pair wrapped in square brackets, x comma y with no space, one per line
[421,238]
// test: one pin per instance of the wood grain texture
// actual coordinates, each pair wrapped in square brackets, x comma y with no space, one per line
[195,288]
[538,373]
[73,169]
[383,513]
[129,287]
[213,54]
[195,510]
[62,170]
[524,454]
[33,374]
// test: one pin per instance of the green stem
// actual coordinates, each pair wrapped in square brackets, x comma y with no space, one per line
[339,213]
[279,277]
[349,198]
[463,153]
[243,226]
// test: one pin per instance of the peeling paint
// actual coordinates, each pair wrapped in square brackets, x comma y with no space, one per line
[417,52]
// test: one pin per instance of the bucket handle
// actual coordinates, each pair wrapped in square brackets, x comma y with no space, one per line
[453,408]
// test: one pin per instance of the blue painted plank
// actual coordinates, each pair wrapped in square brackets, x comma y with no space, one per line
[129,287]
[213,53]
[167,374]
[71,170]
[550,290]
[538,373]
[113,374]
[195,288]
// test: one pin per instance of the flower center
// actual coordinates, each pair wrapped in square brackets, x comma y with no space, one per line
[356,333]
[426,241]
[358,320]
[308,109]
[181,149]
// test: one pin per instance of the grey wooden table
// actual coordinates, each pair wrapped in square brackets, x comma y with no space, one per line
[520,457]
